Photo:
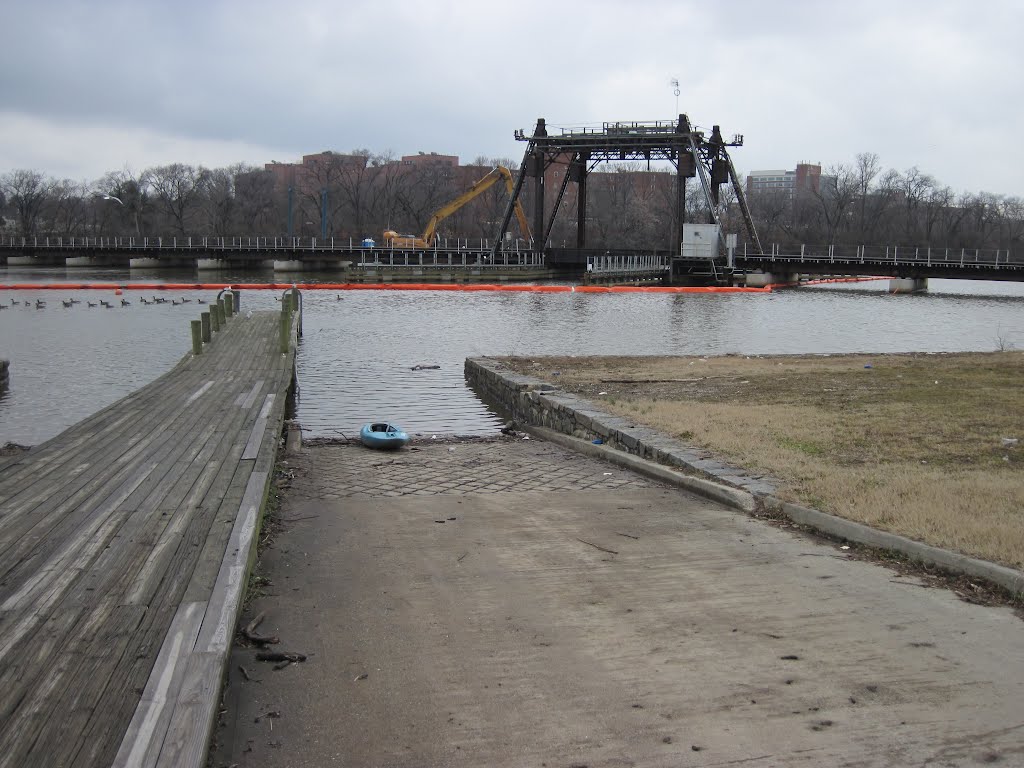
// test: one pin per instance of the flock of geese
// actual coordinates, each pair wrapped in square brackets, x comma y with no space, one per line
[69,303]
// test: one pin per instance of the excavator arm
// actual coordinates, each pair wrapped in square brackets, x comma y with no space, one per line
[446,210]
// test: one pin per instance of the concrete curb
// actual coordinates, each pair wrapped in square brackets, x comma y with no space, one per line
[1007,578]
[732,497]
[574,423]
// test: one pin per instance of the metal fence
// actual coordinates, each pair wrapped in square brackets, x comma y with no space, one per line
[889,255]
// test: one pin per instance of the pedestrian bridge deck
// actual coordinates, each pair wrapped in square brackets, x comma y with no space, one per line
[125,544]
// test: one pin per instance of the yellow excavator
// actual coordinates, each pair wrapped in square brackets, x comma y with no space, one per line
[394,240]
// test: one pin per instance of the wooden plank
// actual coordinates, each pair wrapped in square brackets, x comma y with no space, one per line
[191,724]
[198,393]
[153,442]
[67,716]
[247,400]
[81,536]
[224,604]
[77,551]
[58,499]
[141,744]
[252,447]
[35,697]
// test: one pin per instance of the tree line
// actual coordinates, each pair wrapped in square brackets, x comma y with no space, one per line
[360,194]
[862,203]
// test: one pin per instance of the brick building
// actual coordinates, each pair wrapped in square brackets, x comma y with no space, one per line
[805,177]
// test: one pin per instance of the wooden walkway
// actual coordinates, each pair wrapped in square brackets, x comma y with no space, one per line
[125,544]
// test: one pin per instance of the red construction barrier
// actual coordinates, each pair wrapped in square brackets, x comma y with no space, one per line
[465,287]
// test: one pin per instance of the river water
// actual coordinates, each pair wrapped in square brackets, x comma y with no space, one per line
[359,348]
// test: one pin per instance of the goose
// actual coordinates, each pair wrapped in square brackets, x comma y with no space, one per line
[68,303]
[175,303]
[184,300]
[201,301]
[143,299]
[125,303]
[90,304]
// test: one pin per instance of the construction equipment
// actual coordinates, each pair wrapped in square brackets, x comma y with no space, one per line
[394,240]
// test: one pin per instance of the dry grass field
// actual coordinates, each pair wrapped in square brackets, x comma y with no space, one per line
[917,444]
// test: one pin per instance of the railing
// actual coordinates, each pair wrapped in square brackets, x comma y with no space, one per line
[463,259]
[890,255]
[627,263]
[447,254]
[242,244]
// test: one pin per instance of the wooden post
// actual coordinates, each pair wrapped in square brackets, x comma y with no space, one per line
[286,317]
[222,308]
[215,317]
[236,300]
[207,323]
[197,337]
[295,308]
[229,305]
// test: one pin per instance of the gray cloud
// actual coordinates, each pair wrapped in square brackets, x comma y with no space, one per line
[89,87]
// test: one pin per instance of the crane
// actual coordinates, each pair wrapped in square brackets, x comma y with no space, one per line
[395,240]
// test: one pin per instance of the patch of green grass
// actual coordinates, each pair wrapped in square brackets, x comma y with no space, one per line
[803,446]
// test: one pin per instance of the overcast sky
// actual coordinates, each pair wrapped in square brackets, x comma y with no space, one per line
[90,87]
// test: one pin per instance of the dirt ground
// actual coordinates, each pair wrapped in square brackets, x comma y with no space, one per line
[930,446]
[511,603]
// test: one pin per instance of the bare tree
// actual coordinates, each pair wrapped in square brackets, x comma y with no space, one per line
[177,188]
[834,197]
[866,168]
[421,191]
[256,201]
[771,210]
[66,207]
[132,190]
[878,207]
[27,192]
[218,201]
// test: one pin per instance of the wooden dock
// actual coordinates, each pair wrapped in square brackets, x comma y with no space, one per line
[125,546]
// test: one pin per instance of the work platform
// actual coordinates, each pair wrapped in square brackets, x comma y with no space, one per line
[125,545]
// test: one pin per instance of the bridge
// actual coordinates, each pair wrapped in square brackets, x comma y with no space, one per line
[784,264]
[778,264]
[288,253]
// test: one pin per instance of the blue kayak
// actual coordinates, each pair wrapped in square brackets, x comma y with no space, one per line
[383,435]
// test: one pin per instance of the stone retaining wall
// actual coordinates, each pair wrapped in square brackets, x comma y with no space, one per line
[536,403]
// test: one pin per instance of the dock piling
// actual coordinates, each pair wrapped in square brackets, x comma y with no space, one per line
[197,337]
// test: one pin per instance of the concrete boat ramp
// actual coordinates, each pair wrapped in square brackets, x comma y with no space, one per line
[513,603]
